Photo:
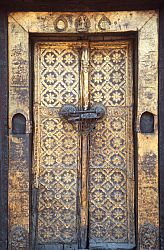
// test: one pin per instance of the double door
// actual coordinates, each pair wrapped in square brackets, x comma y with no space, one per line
[83,164]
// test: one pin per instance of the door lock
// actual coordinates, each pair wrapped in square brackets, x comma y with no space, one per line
[72,114]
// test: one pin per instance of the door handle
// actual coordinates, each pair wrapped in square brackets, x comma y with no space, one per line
[72,114]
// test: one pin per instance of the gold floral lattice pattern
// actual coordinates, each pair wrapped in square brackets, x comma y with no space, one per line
[58,84]
[109,82]
[59,76]
[111,164]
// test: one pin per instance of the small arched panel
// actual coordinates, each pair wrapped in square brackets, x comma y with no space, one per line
[18,124]
[147,123]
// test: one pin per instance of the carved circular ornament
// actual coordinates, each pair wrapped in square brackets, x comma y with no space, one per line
[61,24]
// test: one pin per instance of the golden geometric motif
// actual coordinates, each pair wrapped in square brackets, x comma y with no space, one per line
[59,76]
[111,158]
[110,161]
[108,75]
[58,83]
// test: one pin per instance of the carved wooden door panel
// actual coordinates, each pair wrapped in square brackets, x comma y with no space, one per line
[111,169]
[56,157]
[83,188]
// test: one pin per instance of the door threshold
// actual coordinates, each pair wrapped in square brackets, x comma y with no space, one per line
[112,246]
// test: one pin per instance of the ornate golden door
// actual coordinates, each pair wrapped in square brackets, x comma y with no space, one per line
[83,190]
[71,158]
